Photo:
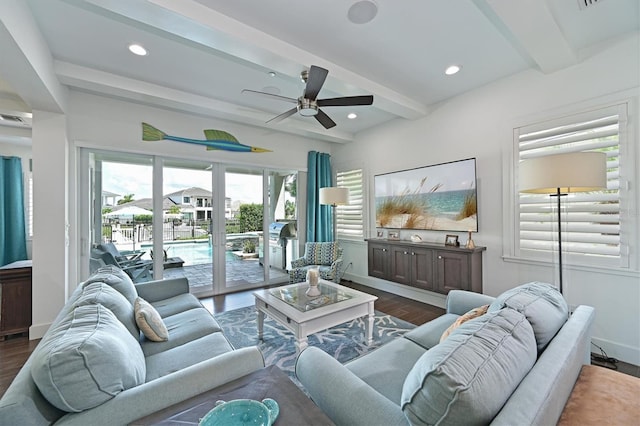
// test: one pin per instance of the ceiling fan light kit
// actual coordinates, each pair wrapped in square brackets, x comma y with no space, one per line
[308,105]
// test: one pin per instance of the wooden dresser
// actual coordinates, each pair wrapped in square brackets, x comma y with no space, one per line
[15,295]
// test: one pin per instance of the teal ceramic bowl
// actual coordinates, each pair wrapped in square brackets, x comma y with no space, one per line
[241,412]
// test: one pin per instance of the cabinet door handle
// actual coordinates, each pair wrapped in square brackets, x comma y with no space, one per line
[439,257]
[413,254]
[406,252]
[384,249]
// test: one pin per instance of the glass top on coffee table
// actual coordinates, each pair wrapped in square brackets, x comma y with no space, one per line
[295,295]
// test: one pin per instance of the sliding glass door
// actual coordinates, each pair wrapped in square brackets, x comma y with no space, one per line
[221,226]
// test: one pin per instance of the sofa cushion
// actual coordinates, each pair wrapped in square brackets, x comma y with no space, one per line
[386,368]
[183,327]
[473,313]
[176,304]
[428,334]
[193,352]
[467,378]
[150,321]
[101,293]
[116,278]
[543,305]
[86,359]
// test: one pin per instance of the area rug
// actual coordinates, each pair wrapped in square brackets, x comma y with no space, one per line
[344,342]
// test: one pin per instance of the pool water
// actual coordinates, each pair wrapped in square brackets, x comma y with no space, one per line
[192,253]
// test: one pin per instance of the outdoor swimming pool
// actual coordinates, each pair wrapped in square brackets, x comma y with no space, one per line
[193,253]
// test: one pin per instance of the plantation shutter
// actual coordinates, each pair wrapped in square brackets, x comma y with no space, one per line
[349,218]
[591,223]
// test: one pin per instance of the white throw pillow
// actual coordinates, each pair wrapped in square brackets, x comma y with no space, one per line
[149,321]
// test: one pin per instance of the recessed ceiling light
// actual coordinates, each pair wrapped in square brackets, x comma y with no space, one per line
[136,49]
[272,73]
[352,115]
[362,12]
[452,69]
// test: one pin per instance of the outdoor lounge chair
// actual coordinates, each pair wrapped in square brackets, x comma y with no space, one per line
[139,271]
[169,262]
[122,258]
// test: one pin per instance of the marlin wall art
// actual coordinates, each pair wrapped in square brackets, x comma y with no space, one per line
[215,139]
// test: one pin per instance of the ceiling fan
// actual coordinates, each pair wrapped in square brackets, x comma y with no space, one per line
[308,104]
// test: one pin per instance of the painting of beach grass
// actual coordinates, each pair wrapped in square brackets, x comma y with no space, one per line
[441,197]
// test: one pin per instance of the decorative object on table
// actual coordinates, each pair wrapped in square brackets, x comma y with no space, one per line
[561,174]
[313,274]
[216,139]
[394,235]
[470,244]
[240,412]
[334,196]
[380,233]
[440,197]
[451,240]
[415,238]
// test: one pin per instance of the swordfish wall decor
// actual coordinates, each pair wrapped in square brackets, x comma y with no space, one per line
[215,139]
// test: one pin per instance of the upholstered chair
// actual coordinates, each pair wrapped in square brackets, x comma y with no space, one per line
[327,256]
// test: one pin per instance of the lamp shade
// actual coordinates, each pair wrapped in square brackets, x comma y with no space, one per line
[334,196]
[571,172]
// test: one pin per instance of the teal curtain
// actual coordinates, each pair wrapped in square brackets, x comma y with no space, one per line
[319,217]
[13,240]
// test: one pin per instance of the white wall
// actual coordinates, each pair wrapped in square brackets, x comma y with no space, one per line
[480,124]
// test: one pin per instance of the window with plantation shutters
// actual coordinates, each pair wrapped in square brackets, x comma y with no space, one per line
[592,224]
[349,218]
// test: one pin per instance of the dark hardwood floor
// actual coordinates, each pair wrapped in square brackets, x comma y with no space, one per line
[14,351]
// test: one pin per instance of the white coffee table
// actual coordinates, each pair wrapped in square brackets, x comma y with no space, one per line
[303,315]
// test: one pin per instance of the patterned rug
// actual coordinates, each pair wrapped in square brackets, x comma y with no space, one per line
[344,342]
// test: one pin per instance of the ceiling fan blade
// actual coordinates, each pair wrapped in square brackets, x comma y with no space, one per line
[324,120]
[284,115]
[346,101]
[315,80]
[270,96]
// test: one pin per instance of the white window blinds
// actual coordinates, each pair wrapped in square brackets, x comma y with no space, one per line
[349,218]
[591,222]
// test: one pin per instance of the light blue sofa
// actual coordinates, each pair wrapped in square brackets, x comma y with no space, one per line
[94,366]
[515,365]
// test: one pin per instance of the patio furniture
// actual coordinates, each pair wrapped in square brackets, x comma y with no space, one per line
[139,271]
[122,258]
[327,256]
[169,262]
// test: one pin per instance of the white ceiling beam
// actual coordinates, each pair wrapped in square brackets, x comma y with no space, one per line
[92,80]
[217,31]
[532,29]
[30,69]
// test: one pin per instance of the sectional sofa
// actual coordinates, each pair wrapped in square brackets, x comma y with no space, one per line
[97,364]
[516,364]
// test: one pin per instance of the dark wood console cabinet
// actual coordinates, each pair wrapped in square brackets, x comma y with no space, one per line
[429,266]
[15,295]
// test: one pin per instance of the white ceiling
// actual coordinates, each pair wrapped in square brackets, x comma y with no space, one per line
[202,53]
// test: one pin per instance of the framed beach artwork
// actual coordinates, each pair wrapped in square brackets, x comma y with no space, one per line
[440,197]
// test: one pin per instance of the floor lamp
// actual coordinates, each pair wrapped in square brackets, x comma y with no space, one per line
[561,174]
[334,196]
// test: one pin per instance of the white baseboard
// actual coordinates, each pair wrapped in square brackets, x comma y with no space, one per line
[618,351]
[413,293]
[37,331]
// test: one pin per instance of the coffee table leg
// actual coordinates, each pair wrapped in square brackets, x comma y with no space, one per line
[260,324]
[369,324]
[301,344]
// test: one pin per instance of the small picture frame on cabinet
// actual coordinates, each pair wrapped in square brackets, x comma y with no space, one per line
[380,233]
[394,235]
[451,240]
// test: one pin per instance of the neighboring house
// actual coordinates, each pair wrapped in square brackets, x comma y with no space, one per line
[196,203]
[109,198]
